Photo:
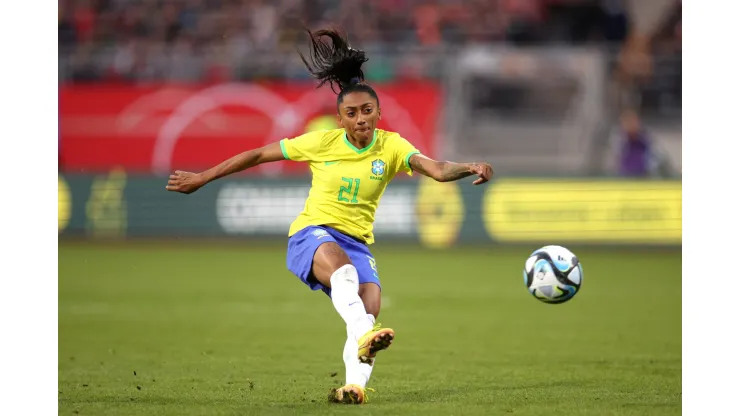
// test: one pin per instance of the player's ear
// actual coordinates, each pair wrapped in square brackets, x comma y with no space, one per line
[379,115]
[339,119]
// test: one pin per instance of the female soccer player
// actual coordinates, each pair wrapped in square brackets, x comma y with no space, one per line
[351,167]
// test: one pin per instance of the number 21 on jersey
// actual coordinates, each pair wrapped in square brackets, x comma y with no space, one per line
[350,190]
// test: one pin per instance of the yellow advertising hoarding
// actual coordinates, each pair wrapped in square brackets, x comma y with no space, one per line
[618,211]
[64,204]
[440,212]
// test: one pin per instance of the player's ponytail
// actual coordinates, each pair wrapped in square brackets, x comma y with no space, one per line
[336,63]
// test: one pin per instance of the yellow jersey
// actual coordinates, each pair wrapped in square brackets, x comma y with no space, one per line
[347,182]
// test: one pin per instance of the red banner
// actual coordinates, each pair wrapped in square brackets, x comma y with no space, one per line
[159,129]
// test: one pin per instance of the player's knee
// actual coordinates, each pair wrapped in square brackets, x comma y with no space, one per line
[329,258]
[345,274]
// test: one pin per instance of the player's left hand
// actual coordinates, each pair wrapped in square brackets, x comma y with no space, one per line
[484,172]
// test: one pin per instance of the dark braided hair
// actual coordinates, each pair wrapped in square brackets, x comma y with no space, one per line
[338,64]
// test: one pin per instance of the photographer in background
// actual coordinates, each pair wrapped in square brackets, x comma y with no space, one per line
[633,152]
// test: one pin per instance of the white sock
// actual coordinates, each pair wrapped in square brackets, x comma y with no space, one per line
[345,287]
[355,371]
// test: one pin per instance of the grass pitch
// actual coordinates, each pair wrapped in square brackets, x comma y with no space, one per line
[225,329]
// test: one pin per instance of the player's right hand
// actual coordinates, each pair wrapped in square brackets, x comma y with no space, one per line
[185,182]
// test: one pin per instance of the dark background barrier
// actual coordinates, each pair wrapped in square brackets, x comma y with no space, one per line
[527,210]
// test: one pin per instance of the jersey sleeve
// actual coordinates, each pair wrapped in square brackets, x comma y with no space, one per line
[403,150]
[303,148]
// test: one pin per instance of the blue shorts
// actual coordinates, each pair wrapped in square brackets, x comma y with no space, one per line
[303,244]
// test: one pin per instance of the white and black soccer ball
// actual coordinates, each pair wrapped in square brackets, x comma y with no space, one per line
[553,274]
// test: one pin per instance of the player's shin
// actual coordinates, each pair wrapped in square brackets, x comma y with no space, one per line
[355,371]
[345,286]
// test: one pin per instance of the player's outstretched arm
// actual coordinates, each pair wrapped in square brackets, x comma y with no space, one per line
[189,182]
[450,171]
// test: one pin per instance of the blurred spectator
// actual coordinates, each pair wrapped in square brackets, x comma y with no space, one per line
[139,40]
[84,68]
[524,20]
[636,153]
[263,21]
[84,20]
[67,33]
[182,63]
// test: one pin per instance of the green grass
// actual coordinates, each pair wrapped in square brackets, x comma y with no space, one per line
[219,329]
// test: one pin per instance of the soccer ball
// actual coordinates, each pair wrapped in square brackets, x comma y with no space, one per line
[553,274]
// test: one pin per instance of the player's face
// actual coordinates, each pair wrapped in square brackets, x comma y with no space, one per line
[358,115]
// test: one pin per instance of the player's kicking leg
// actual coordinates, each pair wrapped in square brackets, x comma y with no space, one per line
[358,304]
[344,269]
[332,267]
[357,372]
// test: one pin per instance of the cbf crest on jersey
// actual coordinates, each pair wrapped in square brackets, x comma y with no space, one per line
[378,169]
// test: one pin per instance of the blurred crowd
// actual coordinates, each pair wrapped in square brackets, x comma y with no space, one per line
[188,40]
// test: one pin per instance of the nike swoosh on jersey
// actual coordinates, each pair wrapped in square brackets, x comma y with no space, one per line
[331,163]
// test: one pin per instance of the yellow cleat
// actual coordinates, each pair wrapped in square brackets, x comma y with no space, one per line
[349,394]
[377,339]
